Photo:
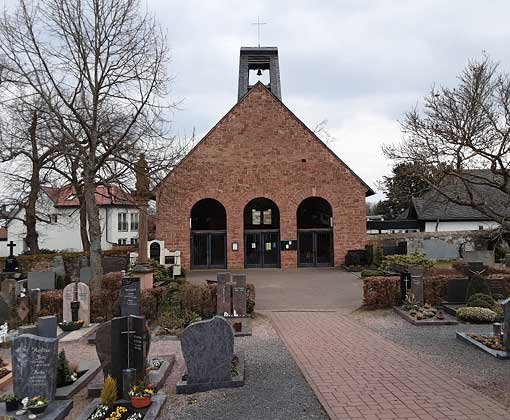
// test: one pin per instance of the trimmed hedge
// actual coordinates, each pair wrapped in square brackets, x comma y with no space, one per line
[476,315]
[381,292]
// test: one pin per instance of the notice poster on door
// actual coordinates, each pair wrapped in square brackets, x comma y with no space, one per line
[253,245]
[268,246]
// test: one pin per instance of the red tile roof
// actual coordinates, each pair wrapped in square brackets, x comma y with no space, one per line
[105,196]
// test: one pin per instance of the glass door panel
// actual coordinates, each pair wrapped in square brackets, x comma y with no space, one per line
[305,249]
[252,249]
[271,249]
[323,248]
[217,250]
[199,247]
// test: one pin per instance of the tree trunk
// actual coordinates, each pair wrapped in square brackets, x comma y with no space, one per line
[35,185]
[83,217]
[94,226]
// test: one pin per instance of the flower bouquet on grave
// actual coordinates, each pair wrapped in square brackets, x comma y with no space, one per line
[71,325]
[37,404]
[141,394]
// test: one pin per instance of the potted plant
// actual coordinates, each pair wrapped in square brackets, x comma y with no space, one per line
[141,394]
[37,404]
[11,402]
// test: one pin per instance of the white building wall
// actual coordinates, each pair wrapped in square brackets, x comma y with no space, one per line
[64,235]
[454,226]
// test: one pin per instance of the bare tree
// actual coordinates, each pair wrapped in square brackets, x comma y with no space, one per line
[321,130]
[461,139]
[100,68]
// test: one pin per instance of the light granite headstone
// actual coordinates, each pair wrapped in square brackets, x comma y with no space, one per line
[239,294]
[223,294]
[417,284]
[506,326]
[34,366]
[47,326]
[44,280]
[208,348]
[77,292]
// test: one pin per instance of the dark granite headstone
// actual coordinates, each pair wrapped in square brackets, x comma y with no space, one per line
[130,296]
[239,294]
[104,347]
[456,290]
[417,284]
[5,310]
[208,348]
[130,343]
[34,366]
[506,326]
[223,294]
[47,326]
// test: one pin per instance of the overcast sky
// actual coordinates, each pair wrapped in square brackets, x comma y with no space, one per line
[358,64]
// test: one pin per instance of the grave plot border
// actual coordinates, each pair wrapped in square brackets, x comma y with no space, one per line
[422,322]
[66,392]
[501,355]
[57,410]
[152,413]
[237,381]
[7,379]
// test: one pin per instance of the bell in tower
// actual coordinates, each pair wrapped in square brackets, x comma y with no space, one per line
[259,59]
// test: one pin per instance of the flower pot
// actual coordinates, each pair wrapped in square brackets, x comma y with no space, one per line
[11,405]
[140,402]
[38,410]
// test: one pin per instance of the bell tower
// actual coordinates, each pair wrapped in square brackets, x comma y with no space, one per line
[259,59]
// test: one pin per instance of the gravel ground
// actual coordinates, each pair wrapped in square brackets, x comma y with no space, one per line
[274,387]
[439,346]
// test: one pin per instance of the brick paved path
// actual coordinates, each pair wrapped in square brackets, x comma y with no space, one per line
[358,374]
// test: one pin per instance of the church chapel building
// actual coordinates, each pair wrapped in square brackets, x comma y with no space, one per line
[261,189]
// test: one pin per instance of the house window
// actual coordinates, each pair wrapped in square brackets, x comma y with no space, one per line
[134,241]
[122,241]
[480,227]
[122,222]
[134,222]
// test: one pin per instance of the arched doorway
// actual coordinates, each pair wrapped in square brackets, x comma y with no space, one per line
[208,222]
[315,233]
[261,234]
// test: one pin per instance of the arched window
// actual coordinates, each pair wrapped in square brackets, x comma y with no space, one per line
[261,213]
[208,214]
[314,213]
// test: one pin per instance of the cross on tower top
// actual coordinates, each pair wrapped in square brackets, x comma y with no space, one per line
[259,24]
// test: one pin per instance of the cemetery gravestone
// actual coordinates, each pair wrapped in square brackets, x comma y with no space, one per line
[86,275]
[417,284]
[208,348]
[456,290]
[76,301]
[11,263]
[34,366]
[405,285]
[44,280]
[47,326]
[130,297]
[506,325]
[57,266]
[5,310]
[239,294]
[223,293]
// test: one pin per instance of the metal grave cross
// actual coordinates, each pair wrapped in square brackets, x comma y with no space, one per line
[11,246]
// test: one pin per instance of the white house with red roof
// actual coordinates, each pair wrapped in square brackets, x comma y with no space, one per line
[60,230]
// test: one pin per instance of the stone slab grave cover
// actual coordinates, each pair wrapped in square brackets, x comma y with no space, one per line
[44,280]
[76,292]
[34,366]
[123,343]
[208,350]
[130,296]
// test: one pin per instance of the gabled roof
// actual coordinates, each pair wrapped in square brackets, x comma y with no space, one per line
[256,86]
[435,206]
[105,196]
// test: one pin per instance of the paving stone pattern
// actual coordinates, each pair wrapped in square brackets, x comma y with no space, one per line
[358,374]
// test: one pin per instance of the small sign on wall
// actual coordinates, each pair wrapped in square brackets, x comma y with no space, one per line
[289,245]
[235,246]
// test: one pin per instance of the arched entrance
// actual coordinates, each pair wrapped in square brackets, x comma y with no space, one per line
[315,233]
[208,222]
[261,234]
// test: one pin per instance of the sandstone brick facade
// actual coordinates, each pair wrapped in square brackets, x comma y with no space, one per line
[260,149]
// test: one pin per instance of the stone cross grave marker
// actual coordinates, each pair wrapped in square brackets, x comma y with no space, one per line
[76,303]
[44,280]
[506,325]
[239,294]
[208,348]
[130,296]
[417,284]
[11,263]
[223,294]
[34,366]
